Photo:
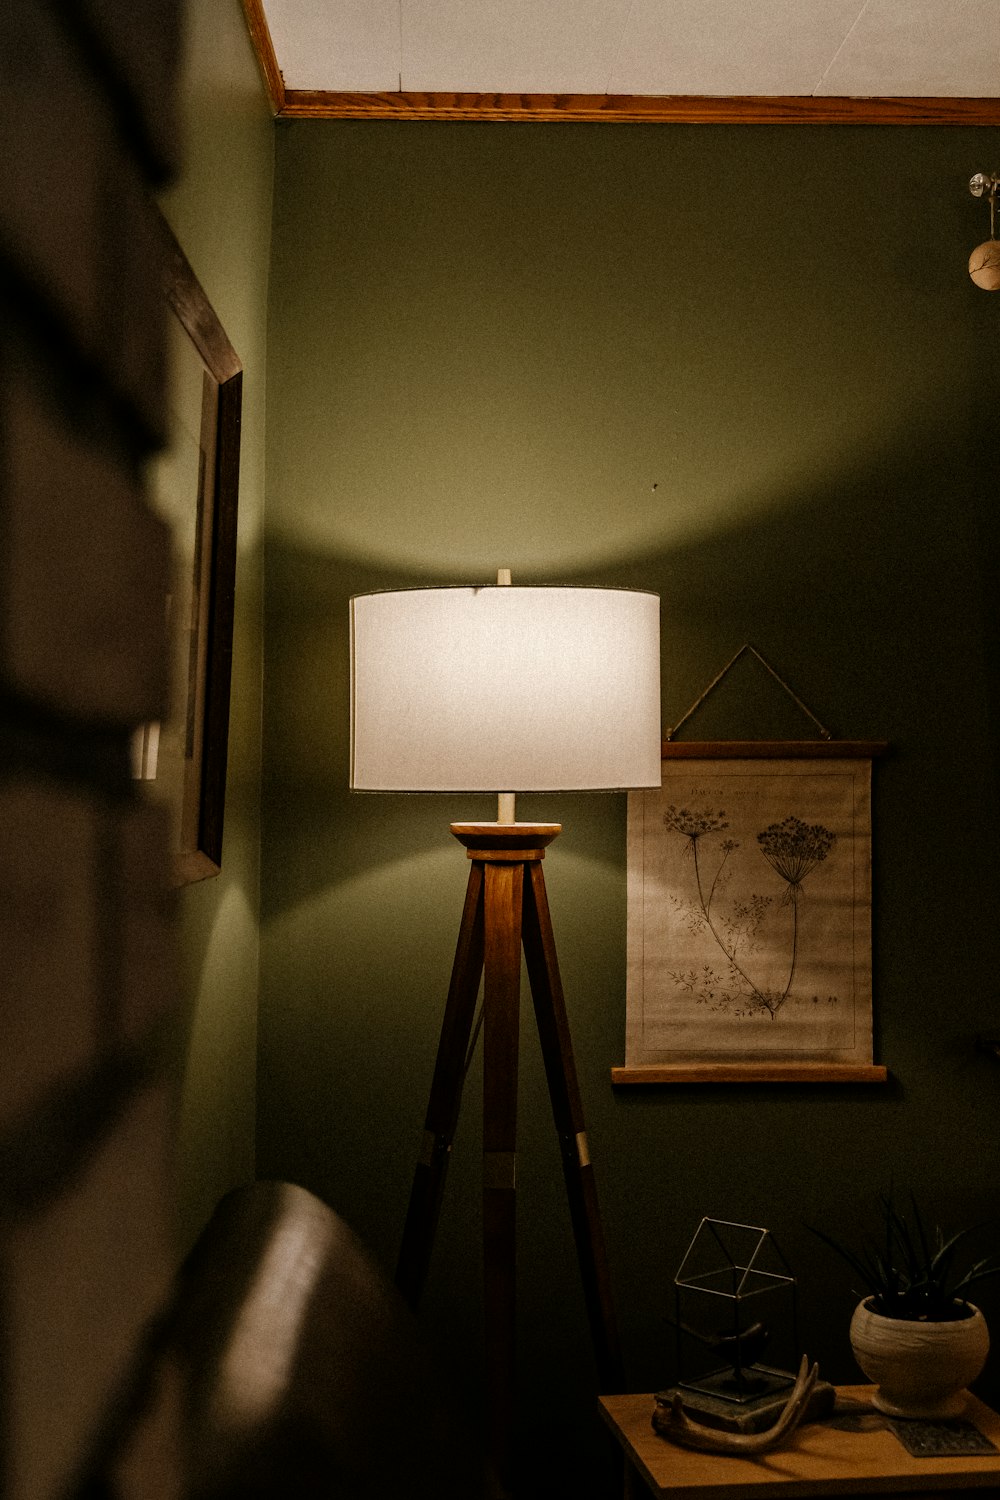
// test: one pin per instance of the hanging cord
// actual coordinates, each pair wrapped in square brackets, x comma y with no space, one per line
[824,733]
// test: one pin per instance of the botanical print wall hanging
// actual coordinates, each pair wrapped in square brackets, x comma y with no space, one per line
[749,915]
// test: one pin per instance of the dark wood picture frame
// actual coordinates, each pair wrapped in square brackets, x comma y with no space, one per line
[753,1069]
[201,856]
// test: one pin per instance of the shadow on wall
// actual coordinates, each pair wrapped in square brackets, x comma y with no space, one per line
[863,594]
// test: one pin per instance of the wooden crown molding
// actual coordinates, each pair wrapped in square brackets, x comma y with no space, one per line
[260,36]
[678,109]
[808,109]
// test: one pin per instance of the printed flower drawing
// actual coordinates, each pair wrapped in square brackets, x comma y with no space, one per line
[749,913]
[792,849]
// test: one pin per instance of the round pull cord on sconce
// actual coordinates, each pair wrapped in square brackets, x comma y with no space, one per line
[984,262]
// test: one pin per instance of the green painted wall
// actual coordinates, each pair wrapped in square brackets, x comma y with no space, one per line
[220,210]
[745,368]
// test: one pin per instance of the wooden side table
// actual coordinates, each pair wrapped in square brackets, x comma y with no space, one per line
[850,1454]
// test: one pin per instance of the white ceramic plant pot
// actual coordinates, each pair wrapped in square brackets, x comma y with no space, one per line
[921,1369]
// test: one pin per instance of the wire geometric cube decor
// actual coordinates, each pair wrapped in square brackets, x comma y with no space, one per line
[735,1297]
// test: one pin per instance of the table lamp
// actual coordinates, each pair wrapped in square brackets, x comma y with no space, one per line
[506,689]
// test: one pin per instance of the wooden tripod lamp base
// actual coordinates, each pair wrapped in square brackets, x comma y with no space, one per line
[536,689]
[506,908]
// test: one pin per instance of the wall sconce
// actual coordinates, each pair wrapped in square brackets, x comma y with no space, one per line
[984,262]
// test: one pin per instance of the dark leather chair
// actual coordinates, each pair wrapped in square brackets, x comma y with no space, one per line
[297,1369]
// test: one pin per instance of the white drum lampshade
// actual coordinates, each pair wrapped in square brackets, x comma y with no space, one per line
[505,689]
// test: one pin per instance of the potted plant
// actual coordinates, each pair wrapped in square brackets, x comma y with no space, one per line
[914,1333]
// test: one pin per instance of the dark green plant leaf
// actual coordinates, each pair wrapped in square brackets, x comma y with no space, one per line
[913,1274]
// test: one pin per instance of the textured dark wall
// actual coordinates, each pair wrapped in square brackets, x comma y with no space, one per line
[88,992]
[745,368]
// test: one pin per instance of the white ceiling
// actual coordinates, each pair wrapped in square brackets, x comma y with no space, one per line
[863,48]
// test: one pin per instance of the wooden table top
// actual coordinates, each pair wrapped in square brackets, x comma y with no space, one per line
[852,1453]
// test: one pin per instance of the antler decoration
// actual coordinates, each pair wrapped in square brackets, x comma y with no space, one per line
[673,1423]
